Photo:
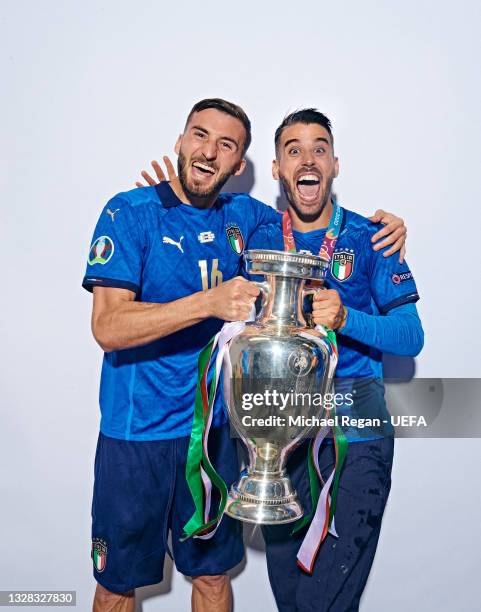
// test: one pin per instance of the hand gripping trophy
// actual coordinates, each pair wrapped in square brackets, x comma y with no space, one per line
[278,352]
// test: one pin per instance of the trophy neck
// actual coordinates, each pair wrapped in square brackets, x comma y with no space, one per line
[283,304]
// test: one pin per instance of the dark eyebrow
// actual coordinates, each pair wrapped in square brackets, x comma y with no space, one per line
[291,140]
[201,129]
[197,127]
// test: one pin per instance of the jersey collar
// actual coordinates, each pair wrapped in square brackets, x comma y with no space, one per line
[168,199]
[167,196]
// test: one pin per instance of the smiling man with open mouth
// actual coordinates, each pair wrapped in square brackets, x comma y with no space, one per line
[371,313]
[307,183]
[206,153]
[165,272]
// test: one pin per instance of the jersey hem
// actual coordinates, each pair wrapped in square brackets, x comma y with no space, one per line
[149,438]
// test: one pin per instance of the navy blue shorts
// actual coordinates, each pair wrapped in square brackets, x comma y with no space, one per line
[140,493]
[343,564]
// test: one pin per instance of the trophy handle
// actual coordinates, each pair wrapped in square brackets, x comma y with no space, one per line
[265,288]
[310,291]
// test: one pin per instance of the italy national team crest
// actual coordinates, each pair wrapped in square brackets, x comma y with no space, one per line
[101,250]
[342,264]
[236,241]
[99,554]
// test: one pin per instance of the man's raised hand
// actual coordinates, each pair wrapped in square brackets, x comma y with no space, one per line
[171,173]
[394,233]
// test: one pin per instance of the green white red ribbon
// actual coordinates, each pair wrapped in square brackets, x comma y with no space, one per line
[200,474]
[322,500]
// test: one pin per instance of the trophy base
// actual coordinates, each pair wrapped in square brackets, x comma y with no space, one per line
[262,501]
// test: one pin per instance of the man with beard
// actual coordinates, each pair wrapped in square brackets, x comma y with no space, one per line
[370,303]
[164,269]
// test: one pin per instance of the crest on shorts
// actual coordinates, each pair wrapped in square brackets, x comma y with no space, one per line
[234,236]
[101,250]
[342,264]
[99,554]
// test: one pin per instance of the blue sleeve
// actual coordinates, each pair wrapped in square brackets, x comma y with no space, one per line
[391,283]
[267,236]
[399,332]
[266,232]
[116,254]
[263,213]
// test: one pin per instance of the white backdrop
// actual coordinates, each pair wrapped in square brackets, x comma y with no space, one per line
[92,92]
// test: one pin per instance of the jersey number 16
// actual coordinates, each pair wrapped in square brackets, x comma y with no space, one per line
[215,274]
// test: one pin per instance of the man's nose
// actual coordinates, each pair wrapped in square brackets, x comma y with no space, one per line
[209,150]
[308,160]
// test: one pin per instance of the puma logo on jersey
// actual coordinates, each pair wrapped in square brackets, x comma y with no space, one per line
[112,213]
[167,240]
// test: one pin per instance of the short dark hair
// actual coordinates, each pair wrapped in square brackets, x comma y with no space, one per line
[306,116]
[230,109]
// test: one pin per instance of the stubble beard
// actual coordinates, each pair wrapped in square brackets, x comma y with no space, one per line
[193,193]
[307,217]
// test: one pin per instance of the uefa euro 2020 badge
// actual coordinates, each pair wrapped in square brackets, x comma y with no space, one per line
[99,554]
[101,250]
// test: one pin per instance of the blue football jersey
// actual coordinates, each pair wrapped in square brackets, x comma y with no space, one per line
[368,282]
[365,280]
[148,241]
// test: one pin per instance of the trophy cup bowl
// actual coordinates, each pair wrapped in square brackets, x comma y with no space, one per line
[277,353]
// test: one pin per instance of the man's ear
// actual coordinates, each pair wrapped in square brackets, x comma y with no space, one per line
[241,167]
[275,169]
[336,166]
[178,143]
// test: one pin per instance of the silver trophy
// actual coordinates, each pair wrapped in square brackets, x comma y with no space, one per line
[278,354]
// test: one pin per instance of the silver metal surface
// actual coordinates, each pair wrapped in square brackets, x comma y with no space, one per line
[280,263]
[270,354]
